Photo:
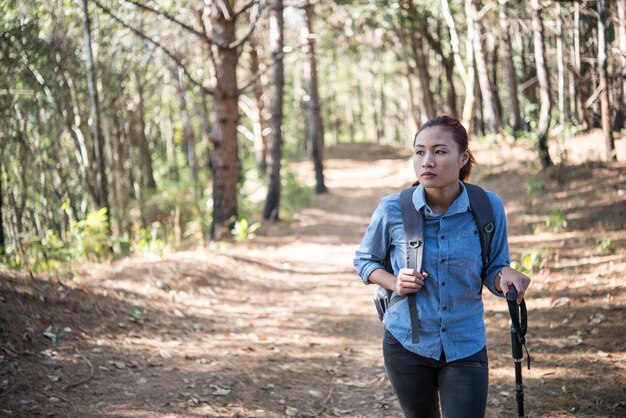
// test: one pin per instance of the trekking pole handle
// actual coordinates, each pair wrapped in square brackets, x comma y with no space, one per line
[514,309]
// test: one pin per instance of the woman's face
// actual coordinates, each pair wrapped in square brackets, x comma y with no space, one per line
[437,159]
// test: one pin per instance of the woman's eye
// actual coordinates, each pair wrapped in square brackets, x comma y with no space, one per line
[419,152]
[440,152]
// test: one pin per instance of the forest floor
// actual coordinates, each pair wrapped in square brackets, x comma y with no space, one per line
[282,326]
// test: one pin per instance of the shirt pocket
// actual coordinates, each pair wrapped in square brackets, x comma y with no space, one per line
[467,253]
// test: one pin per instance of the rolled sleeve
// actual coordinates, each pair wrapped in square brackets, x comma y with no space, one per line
[499,247]
[372,251]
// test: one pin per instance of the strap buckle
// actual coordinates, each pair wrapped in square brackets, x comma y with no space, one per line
[414,244]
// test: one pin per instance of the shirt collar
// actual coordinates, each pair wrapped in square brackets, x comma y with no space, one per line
[460,205]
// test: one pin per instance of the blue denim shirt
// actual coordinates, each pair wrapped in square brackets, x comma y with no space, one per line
[450,307]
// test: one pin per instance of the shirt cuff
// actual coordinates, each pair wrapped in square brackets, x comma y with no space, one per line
[369,269]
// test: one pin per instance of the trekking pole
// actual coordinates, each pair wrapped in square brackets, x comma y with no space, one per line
[518,339]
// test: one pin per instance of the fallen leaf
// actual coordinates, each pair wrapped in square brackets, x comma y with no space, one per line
[290,411]
[51,335]
[339,412]
[315,393]
[221,392]
[118,364]
[603,354]
[54,378]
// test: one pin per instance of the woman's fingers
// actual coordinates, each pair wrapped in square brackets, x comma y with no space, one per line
[409,281]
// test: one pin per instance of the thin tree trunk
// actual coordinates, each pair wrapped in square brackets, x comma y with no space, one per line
[620,119]
[605,102]
[448,65]
[583,115]
[276,94]
[560,66]
[188,135]
[544,85]
[316,125]
[145,156]
[98,137]
[515,115]
[2,239]
[261,137]
[490,110]
[121,201]
[467,74]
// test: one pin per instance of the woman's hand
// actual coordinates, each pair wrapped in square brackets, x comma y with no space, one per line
[511,277]
[409,281]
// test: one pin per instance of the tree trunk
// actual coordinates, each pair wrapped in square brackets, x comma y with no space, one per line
[448,65]
[316,125]
[276,94]
[560,66]
[141,140]
[583,115]
[226,153]
[2,241]
[490,110]
[188,135]
[515,115]
[544,85]
[467,74]
[98,137]
[261,137]
[620,118]
[605,103]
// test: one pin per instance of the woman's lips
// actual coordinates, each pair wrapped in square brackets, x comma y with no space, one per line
[428,175]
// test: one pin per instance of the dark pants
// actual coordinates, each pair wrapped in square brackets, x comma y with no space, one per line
[419,381]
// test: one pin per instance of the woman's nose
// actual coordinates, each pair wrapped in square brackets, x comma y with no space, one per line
[427,161]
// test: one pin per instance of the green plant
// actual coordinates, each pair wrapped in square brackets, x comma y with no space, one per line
[603,245]
[556,220]
[532,186]
[295,196]
[244,231]
[529,263]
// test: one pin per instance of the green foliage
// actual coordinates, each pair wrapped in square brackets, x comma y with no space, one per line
[295,196]
[557,220]
[529,263]
[532,186]
[603,245]
[244,231]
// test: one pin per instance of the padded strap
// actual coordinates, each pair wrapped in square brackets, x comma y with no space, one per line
[414,237]
[483,215]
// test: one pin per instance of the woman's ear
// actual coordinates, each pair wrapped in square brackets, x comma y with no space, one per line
[464,158]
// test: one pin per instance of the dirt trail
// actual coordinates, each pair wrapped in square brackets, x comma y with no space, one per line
[282,326]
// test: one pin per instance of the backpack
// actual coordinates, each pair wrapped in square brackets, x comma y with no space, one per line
[414,239]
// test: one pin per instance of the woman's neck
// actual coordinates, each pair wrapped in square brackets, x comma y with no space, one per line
[439,199]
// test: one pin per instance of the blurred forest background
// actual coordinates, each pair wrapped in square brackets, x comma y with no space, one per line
[141,125]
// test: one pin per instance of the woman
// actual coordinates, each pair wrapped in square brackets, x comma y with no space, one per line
[449,359]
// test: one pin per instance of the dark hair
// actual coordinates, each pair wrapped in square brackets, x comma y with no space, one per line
[459,135]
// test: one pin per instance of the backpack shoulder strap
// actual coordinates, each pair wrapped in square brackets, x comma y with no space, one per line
[483,215]
[413,222]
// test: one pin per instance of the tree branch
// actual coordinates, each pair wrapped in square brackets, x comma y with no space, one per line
[171,18]
[254,19]
[246,6]
[158,45]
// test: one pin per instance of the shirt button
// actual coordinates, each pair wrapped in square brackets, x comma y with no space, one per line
[445,308]
[443,260]
[443,237]
[443,283]
[444,329]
